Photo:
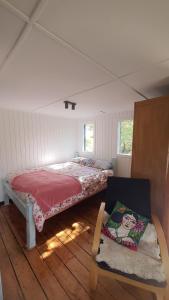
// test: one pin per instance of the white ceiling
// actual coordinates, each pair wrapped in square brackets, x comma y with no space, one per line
[10,27]
[102,54]
[26,6]
[112,96]
[46,71]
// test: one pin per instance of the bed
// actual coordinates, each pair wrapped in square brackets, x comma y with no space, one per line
[44,192]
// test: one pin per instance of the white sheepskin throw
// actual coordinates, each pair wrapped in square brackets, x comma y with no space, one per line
[131,262]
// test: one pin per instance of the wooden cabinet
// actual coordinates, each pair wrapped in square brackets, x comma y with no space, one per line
[150,155]
[1,294]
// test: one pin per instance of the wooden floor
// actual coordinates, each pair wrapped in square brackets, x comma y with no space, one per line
[58,268]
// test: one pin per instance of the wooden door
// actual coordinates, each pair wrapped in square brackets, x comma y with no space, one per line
[165,218]
[150,149]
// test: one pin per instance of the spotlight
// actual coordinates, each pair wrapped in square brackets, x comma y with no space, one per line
[66,104]
[73,105]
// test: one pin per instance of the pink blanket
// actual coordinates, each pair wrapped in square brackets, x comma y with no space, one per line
[47,188]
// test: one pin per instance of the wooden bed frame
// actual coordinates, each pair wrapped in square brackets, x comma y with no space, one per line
[26,208]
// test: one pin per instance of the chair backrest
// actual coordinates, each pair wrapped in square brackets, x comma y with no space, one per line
[132,192]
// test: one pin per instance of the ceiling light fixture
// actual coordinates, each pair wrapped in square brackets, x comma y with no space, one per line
[67,103]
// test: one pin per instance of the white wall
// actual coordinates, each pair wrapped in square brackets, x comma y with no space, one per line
[29,140]
[106,137]
[123,165]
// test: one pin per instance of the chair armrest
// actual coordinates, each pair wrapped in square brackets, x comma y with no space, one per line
[97,232]
[162,243]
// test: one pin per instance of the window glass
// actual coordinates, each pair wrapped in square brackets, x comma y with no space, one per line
[125,137]
[89,137]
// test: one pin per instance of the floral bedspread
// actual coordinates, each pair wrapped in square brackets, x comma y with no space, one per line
[92,181]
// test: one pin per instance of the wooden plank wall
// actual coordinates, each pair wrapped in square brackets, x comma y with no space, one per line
[106,139]
[29,140]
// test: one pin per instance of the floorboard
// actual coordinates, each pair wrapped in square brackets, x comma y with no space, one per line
[58,267]
[9,279]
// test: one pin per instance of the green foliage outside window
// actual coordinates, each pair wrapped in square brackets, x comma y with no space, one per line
[126,136]
[88,137]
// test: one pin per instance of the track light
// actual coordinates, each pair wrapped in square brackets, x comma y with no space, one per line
[67,103]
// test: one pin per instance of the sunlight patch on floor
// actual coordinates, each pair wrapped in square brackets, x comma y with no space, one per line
[63,237]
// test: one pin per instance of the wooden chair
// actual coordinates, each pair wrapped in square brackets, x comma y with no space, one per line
[133,193]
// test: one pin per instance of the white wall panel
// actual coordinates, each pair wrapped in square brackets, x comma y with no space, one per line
[28,140]
[106,137]
[123,165]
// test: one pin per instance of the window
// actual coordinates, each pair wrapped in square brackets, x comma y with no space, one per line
[88,137]
[125,137]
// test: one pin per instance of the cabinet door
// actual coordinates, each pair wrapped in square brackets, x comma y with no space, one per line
[166,205]
[150,147]
[1,294]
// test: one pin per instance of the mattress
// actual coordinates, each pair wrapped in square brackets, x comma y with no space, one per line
[54,188]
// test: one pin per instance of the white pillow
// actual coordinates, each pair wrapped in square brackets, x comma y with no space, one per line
[103,164]
[78,159]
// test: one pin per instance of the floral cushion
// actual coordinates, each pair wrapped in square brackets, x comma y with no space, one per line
[88,162]
[125,226]
[148,243]
[84,161]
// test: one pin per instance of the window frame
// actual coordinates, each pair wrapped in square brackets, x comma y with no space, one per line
[119,138]
[84,139]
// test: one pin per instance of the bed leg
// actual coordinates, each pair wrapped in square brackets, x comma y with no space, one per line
[30,229]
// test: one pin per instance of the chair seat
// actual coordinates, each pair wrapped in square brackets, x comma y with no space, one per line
[133,264]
